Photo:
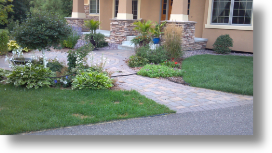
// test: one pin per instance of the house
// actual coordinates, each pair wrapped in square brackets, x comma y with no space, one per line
[203,20]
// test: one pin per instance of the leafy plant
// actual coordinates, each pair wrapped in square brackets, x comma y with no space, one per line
[222,44]
[91,80]
[172,41]
[31,76]
[154,71]
[141,40]
[41,30]
[156,56]
[171,64]
[2,74]
[3,42]
[92,25]
[71,40]
[157,30]
[12,45]
[97,39]
[54,65]
[137,61]
[5,7]
[143,27]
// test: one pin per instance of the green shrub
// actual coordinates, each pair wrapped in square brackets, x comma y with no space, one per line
[2,74]
[154,71]
[91,80]
[54,65]
[31,76]
[92,25]
[171,64]
[141,40]
[3,42]
[137,61]
[156,56]
[97,38]
[72,39]
[222,44]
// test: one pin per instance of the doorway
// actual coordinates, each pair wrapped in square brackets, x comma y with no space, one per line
[165,9]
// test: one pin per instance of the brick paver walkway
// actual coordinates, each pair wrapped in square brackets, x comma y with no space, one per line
[175,96]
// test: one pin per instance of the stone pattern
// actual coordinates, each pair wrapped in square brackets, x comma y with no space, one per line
[79,22]
[200,45]
[120,29]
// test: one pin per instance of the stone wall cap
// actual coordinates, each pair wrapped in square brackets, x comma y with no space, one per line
[180,21]
[200,39]
[77,18]
[126,19]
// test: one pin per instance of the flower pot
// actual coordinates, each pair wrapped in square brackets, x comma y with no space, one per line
[156,40]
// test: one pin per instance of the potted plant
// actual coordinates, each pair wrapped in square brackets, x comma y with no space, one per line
[157,32]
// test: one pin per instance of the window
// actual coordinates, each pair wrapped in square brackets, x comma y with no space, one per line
[188,10]
[134,8]
[94,6]
[232,12]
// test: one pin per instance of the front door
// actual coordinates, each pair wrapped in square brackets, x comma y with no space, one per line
[164,9]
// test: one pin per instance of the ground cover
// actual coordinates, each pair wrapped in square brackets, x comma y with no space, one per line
[224,73]
[23,110]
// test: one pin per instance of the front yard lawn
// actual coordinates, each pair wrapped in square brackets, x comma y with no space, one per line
[24,110]
[224,73]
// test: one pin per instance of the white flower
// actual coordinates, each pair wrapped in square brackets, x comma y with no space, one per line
[65,82]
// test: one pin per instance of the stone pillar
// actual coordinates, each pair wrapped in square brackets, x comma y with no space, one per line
[179,10]
[125,10]
[78,9]
[188,33]
[120,29]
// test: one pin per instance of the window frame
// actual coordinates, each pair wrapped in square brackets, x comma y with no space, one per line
[97,9]
[230,15]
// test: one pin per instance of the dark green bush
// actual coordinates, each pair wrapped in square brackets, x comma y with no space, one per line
[137,61]
[54,65]
[222,44]
[97,39]
[156,56]
[4,39]
[72,39]
[153,71]
[2,74]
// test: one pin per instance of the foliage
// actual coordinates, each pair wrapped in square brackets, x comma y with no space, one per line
[5,7]
[171,64]
[12,24]
[71,40]
[41,30]
[172,37]
[226,73]
[63,78]
[141,40]
[62,7]
[97,39]
[12,45]
[157,30]
[91,80]
[137,61]
[92,25]
[77,58]
[3,42]
[31,76]
[154,71]
[54,65]
[222,44]
[2,74]
[156,56]
[143,27]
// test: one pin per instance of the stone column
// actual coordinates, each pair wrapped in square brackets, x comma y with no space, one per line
[125,10]
[78,9]
[179,10]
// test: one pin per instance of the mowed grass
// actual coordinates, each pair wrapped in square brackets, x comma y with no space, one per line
[23,110]
[226,73]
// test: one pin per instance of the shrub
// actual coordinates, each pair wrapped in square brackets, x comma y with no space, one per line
[144,28]
[97,39]
[137,61]
[91,80]
[2,74]
[156,56]
[92,25]
[222,44]
[54,65]
[172,37]
[12,45]
[3,42]
[154,71]
[141,40]
[30,76]
[72,39]
[171,64]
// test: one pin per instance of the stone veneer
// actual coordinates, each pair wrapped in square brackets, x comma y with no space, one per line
[87,12]
[120,29]
[79,22]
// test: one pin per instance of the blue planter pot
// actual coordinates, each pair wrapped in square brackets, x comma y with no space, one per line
[156,40]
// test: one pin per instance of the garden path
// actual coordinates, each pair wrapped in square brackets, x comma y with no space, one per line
[177,97]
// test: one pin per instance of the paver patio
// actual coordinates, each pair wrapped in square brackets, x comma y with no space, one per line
[175,96]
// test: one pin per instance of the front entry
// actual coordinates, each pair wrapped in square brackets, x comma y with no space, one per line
[164,9]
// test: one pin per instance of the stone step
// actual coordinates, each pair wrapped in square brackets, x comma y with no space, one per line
[121,47]
[129,38]
[127,43]
[200,39]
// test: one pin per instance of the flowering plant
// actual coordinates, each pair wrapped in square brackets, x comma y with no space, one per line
[171,64]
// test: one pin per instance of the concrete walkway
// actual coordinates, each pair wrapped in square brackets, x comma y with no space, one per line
[177,97]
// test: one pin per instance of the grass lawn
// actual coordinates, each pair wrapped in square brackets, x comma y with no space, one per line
[23,110]
[224,73]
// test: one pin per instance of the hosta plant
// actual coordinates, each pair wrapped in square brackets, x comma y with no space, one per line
[91,80]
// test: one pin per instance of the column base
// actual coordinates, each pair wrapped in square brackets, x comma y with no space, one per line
[178,17]
[124,16]
[78,15]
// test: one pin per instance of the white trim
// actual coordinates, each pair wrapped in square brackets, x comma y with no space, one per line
[139,9]
[78,15]
[178,17]
[231,27]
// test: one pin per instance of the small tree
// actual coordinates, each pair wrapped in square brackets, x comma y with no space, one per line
[4,9]
[92,25]
[40,31]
